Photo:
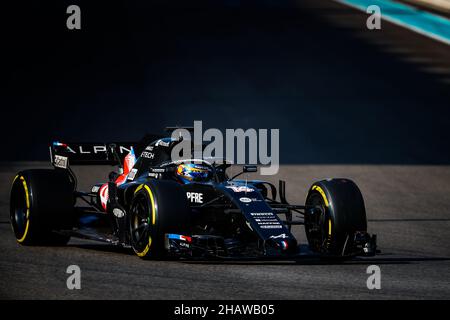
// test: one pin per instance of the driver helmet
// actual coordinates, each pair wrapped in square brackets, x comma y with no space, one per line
[192,172]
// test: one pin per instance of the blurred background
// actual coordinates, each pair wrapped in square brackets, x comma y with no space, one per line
[338,92]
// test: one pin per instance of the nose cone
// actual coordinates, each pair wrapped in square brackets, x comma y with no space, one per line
[284,246]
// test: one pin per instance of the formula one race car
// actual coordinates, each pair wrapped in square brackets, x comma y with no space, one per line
[187,208]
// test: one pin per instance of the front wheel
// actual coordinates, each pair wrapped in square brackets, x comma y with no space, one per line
[335,214]
[158,207]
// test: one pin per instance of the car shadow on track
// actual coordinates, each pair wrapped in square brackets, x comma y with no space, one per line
[307,259]
[409,220]
[103,248]
[319,261]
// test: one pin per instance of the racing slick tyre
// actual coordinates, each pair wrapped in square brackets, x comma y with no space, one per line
[41,202]
[338,215]
[158,207]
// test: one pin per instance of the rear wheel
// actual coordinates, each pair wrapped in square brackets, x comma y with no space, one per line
[338,215]
[157,208]
[41,202]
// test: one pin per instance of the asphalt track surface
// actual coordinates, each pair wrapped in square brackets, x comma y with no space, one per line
[370,106]
[407,208]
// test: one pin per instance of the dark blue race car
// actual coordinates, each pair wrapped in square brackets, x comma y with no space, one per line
[188,208]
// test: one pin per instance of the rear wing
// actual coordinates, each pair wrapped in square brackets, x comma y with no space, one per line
[89,153]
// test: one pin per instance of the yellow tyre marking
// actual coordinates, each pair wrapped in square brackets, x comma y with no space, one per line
[152,201]
[27,199]
[138,188]
[147,247]
[329,227]
[319,189]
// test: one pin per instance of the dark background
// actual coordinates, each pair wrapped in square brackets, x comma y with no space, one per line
[339,93]
[138,66]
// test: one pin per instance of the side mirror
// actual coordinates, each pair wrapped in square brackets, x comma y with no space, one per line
[250,168]
[245,169]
